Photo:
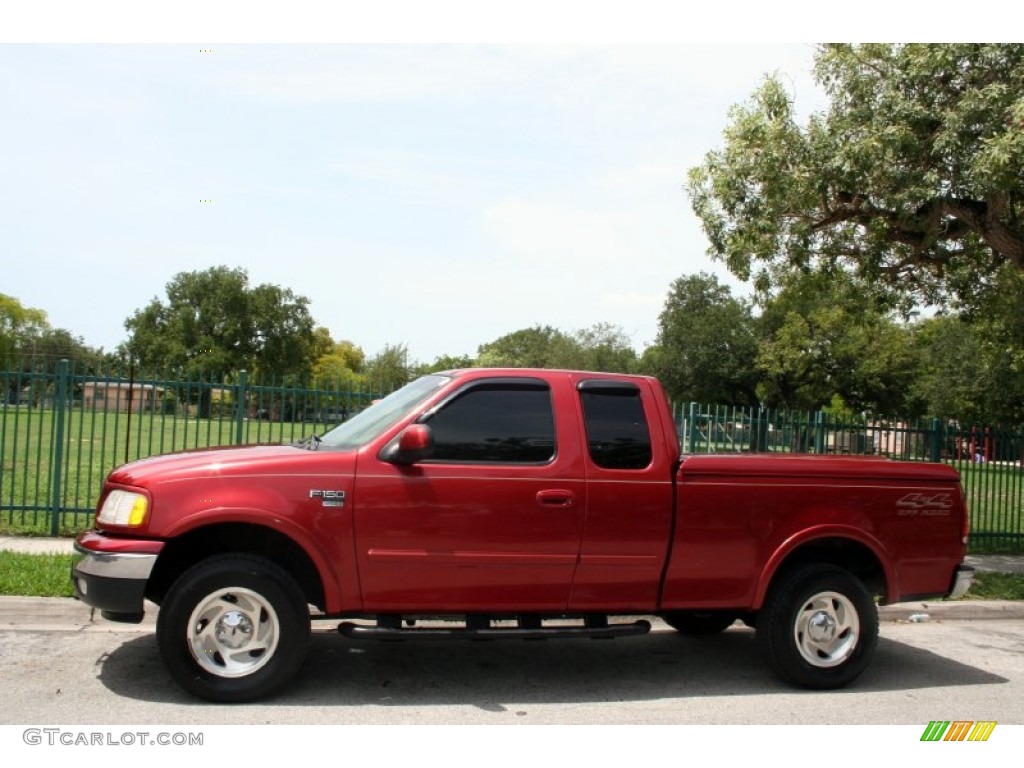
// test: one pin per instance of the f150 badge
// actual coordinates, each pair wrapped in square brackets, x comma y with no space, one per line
[935,504]
[329,498]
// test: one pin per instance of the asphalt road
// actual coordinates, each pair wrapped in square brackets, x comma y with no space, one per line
[964,667]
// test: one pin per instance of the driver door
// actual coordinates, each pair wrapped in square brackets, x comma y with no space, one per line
[492,520]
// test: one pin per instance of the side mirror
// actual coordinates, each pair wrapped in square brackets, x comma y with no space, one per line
[414,443]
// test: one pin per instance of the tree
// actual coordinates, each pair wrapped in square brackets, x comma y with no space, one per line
[541,346]
[706,344]
[446,363]
[390,368]
[601,347]
[606,347]
[828,336]
[28,342]
[340,365]
[971,369]
[52,345]
[213,322]
[18,325]
[912,177]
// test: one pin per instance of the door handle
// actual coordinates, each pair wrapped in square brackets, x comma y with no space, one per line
[556,498]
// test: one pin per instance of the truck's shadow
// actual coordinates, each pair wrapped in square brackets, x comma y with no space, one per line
[343,672]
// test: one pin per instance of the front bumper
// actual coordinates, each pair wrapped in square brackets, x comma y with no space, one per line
[963,577]
[114,582]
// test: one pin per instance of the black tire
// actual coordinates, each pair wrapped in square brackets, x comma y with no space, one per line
[819,627]
[233,628]
[699,622]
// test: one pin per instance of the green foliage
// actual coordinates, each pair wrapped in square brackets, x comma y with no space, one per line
[446,363]
[536,347]
[829,336]
[214,322]
[340,365]
[601,347]
[45,351]
[17,324]
[606,347]
[912,177]
[971,369]
[28,342]
[706,344]
[390,368]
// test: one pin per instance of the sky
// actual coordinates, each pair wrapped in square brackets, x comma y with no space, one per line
[425,190]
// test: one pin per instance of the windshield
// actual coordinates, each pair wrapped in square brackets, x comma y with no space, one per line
[366,425]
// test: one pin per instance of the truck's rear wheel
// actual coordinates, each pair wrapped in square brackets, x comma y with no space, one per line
[699,622]
[233,628]
[819,627]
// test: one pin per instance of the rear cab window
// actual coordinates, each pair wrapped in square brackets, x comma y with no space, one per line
[618,435]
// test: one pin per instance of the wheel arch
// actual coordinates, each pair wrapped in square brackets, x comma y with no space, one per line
[848,549]
[191,547]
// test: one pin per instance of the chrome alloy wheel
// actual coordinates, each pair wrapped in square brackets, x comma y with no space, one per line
[826,629]
[233,632]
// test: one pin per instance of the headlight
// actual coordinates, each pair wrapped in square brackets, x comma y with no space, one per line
[124,508]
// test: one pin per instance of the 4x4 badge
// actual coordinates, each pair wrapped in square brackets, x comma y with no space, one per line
[925,504]
[329,498]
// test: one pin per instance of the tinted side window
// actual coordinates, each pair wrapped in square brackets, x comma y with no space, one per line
[496,423]
[617,434]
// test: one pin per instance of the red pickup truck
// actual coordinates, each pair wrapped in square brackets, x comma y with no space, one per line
[513,503]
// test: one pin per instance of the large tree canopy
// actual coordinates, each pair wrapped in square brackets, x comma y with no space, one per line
[213,322]
[913,177]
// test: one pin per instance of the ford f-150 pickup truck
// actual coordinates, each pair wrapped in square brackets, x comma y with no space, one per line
[516,503]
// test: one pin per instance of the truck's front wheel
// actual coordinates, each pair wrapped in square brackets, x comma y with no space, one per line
[819,627]
[233,628]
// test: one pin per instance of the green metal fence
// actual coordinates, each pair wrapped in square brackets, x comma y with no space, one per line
[61,432]
[989,459]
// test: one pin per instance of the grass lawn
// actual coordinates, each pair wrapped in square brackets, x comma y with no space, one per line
[35,575]
[995,499]
[93,445]
[996,586]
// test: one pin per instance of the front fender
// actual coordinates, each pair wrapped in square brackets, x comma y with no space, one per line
[340,585]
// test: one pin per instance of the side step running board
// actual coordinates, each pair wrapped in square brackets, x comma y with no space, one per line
[361,631]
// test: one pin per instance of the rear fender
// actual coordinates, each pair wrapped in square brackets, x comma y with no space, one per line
[791,547]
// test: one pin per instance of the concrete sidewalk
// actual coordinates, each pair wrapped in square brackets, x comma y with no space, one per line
[37,545]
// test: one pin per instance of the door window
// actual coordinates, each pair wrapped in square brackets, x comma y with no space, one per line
[495,423]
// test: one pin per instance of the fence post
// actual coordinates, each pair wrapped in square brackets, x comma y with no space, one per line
[58,446]
[240,396]
[819,432]
[691,431]
[935,441]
